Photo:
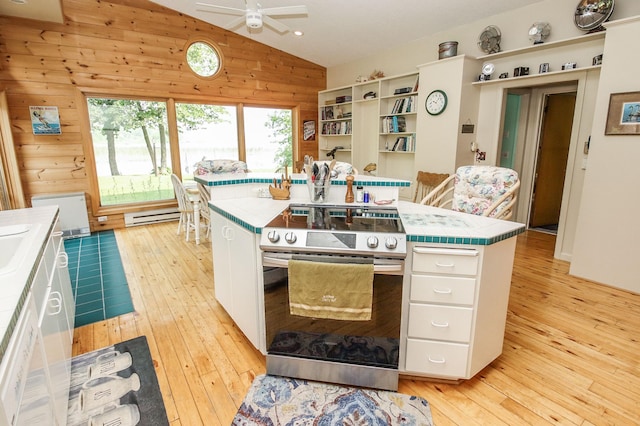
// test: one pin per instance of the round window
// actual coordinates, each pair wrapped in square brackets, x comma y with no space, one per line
[203,59]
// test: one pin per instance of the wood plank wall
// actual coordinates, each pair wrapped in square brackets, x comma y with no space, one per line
[130,47]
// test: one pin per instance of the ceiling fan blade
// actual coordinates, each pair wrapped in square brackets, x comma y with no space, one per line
[221,9]
[278,26]
[285,10]
[241,20]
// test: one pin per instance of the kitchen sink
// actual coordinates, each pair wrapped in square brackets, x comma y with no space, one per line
[15,242]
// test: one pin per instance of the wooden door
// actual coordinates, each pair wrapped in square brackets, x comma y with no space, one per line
[553,152]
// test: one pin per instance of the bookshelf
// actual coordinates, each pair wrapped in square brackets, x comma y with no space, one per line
[335,112]
[372,122]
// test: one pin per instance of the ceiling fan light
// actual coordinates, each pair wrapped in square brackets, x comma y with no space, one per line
[254,19]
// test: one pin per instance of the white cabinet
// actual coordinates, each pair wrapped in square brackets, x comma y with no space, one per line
[36,366]
[25,389]
[55,304]
[456,308]
[235,274]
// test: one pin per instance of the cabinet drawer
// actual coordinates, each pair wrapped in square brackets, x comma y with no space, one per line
[437,358]
[445,260]
[449,323]
[443,289]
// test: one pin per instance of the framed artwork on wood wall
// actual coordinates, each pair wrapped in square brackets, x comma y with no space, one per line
[624,114]
[309,130]
[45,120]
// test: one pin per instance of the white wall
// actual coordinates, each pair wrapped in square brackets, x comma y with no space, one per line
[608,227]
[599,241]
[513,25]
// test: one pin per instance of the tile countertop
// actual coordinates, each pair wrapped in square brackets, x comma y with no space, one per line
[296,179]
[422,223]
[16,284]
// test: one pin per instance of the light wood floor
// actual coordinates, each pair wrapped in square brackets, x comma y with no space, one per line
[571,353]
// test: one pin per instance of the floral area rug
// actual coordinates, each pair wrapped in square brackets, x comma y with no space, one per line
[276,401]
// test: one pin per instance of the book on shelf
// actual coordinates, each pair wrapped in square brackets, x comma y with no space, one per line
[394,124]
[404,143]
[404,105]
[337,128]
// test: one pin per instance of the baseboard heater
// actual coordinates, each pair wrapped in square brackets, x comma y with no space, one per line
[150,216]
[74,219]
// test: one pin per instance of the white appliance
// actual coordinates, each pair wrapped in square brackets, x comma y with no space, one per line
[74,219]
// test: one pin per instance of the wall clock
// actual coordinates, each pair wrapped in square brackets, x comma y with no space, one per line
[436,102]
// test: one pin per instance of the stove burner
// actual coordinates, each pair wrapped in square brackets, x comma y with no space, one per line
[336,229]
[339,218]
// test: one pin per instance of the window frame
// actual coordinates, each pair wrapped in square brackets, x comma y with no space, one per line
[174,140]
[213,46]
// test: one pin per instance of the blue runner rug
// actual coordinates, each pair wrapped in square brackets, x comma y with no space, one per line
[98,280]
[274,400]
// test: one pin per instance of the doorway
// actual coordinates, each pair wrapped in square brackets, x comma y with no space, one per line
[535,141]
[551,161]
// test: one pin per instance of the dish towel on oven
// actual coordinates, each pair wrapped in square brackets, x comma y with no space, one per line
[330,290]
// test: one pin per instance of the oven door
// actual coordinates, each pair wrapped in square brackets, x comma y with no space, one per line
[359,353]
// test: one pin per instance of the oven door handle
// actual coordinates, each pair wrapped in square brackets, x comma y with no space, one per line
[377,267]
[275,262]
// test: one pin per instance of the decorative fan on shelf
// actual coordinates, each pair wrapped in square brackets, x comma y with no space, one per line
[539,32]
[489,39]
[590,14]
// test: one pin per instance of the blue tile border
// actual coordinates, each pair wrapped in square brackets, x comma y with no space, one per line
[244,180]
[234,219]
[463,240]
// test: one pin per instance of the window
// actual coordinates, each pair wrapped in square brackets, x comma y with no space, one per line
[131,150]
[268,139]
[203,59]
[206,132]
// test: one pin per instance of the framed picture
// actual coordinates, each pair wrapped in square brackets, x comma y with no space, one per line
[309,130]
[624,114]
[45,120]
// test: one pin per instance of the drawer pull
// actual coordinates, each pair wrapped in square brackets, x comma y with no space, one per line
[445,265]
[445,291]
[436,361]
[440,325]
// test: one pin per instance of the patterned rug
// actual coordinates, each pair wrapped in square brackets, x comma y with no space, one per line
[275,401]
[116,386]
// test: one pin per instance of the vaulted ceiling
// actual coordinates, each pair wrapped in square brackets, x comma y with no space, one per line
[335,31]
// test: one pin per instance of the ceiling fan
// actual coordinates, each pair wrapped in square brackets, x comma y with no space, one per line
[253,15]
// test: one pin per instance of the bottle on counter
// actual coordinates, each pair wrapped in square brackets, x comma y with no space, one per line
[348,198]
[359,194]
[365,197]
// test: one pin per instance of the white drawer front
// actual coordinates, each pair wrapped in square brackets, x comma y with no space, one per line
[442,289]
[437,358]
[445,260]
[440,322]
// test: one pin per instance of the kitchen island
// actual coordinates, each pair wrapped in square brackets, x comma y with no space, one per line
[456,280]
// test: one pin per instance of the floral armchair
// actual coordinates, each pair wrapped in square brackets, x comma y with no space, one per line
[206,167]
[481,190]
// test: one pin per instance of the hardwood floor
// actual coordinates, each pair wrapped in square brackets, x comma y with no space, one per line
[570,353]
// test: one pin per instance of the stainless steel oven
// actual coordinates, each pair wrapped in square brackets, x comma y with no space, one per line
[359,352]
